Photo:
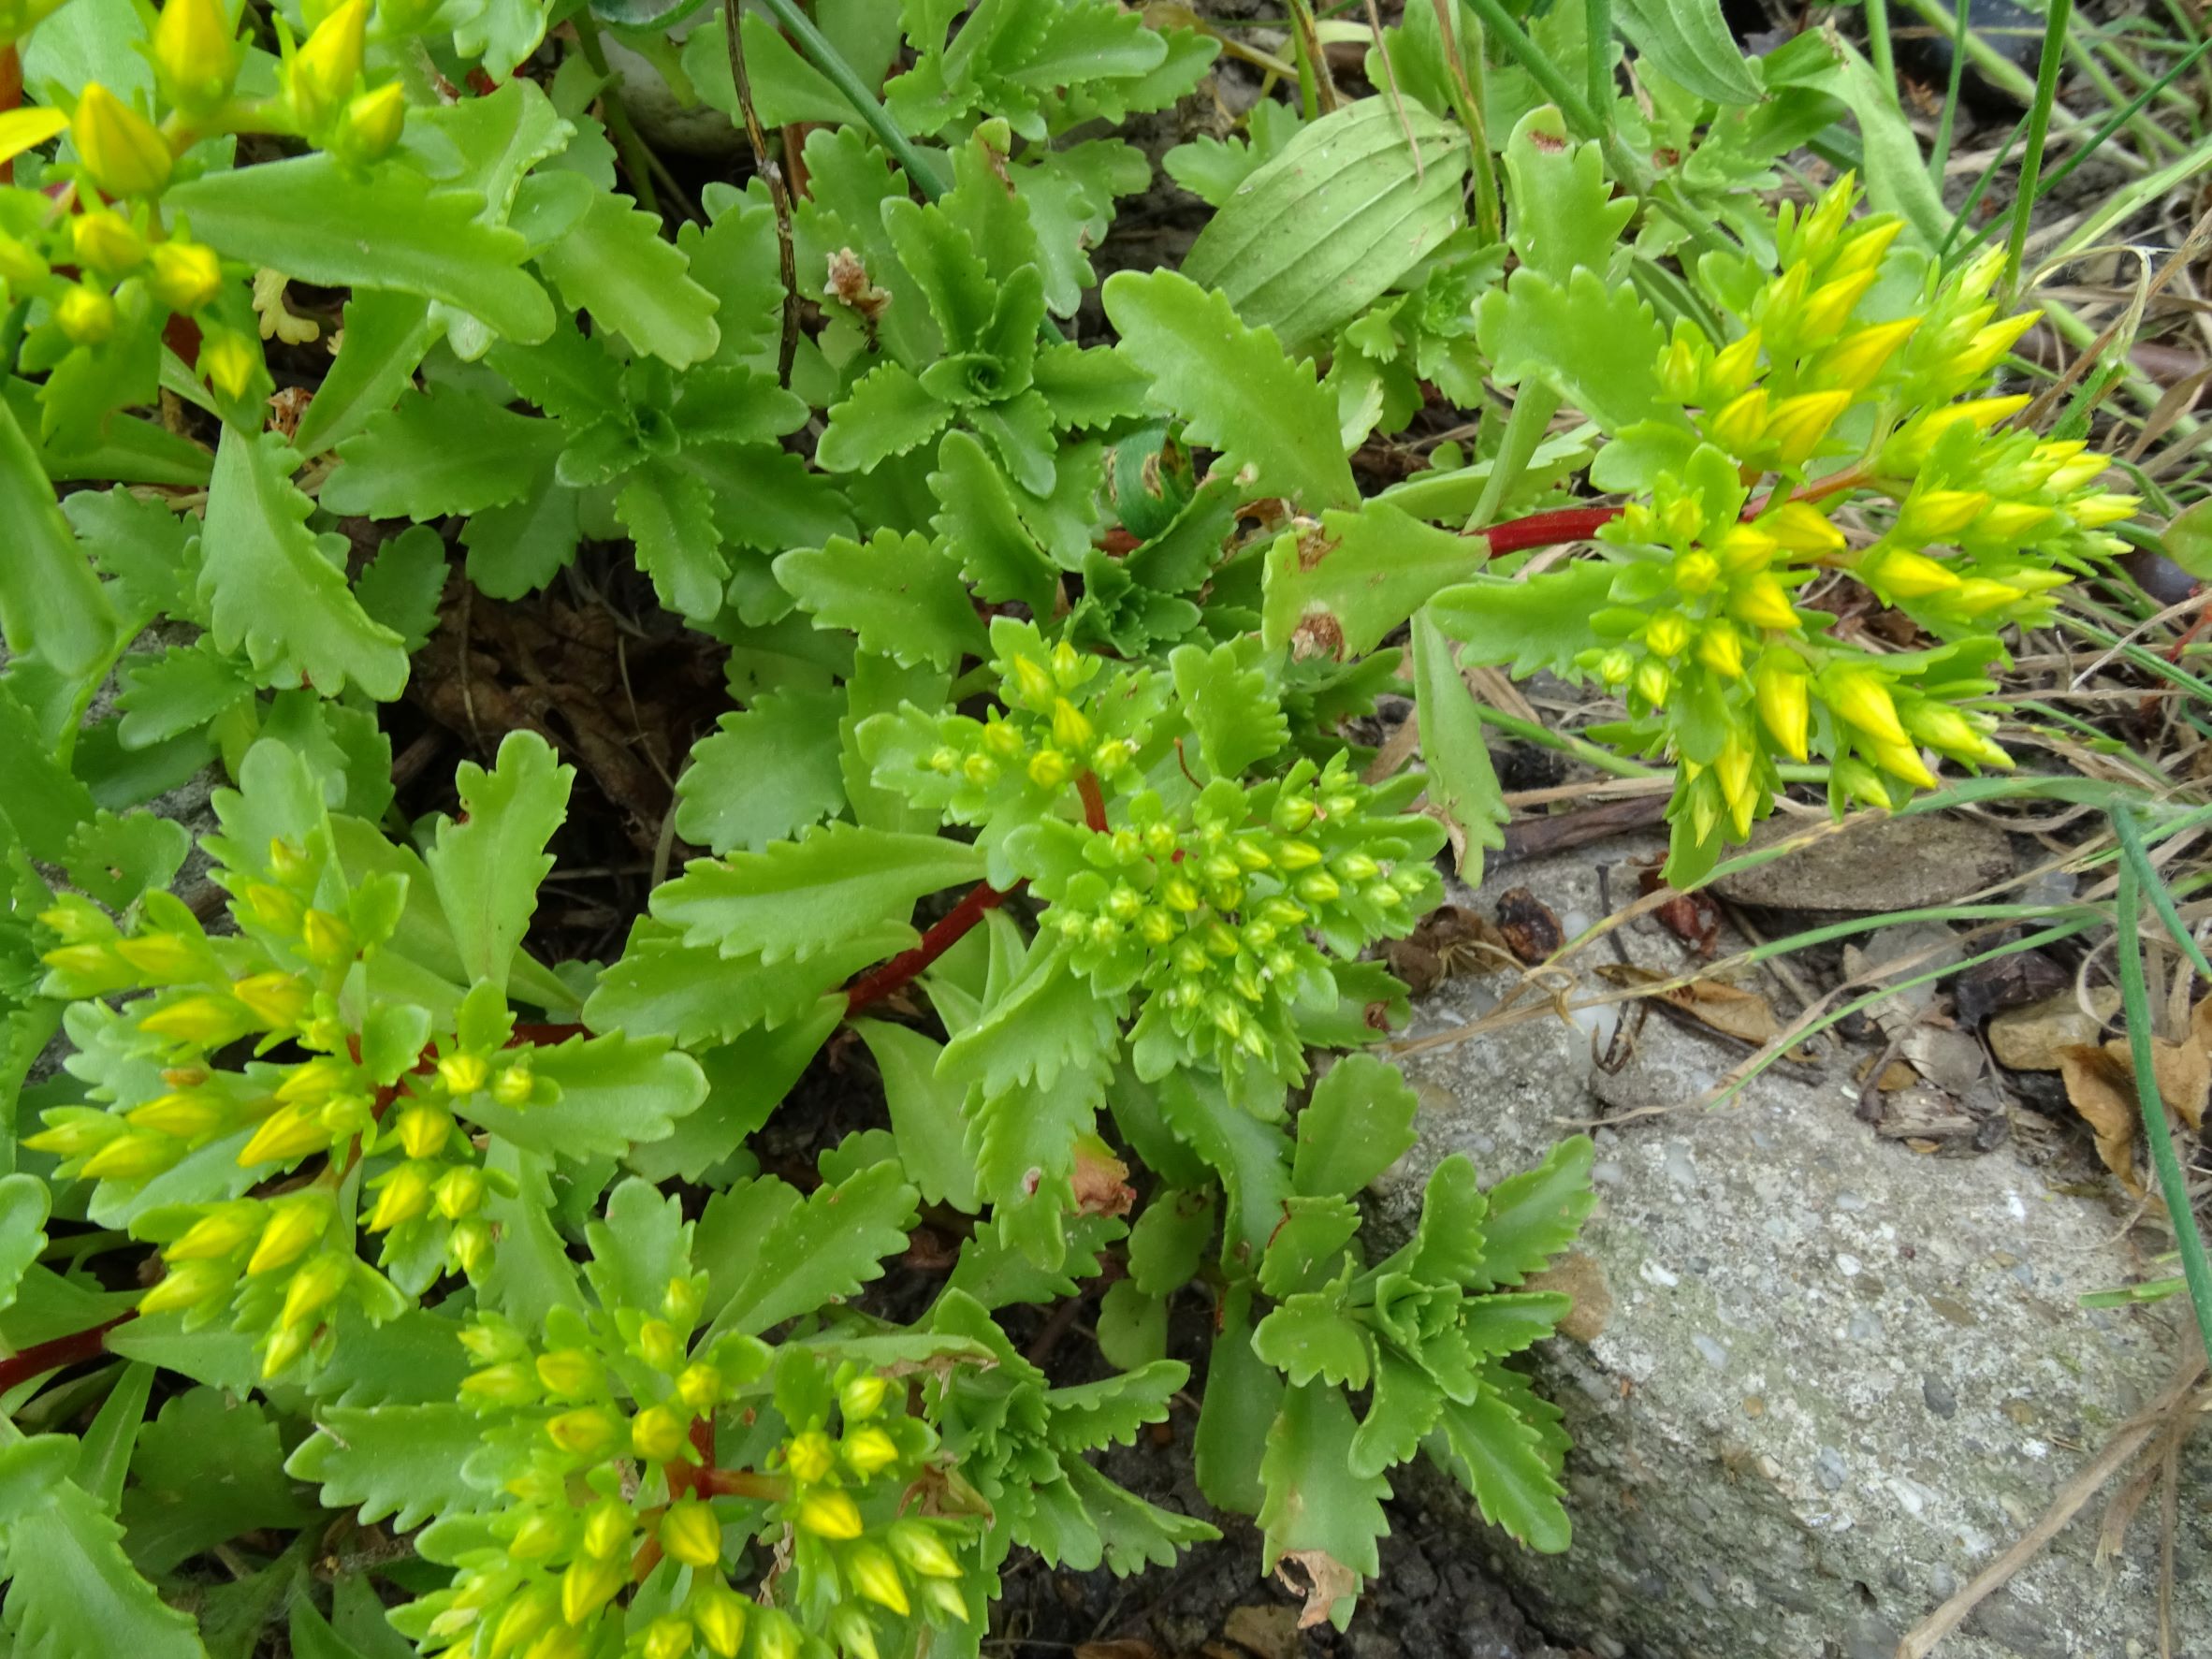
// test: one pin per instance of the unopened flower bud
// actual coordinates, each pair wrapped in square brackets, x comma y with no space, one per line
[315,1287]
[659,1434]
[85,314]
[370,128]
[690,1534]
[228,361]
[323,72]
[875,1575]
[120,151]
[294,1224]
[589,1584]
[186,1285]
[104,240]
[194,54]
[828,1513]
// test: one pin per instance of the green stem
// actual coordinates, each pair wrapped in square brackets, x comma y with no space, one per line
[1597,57]
[2173,1180]
[2039,127]
[1878,48]
[1939,157]
[636,160]
[817,50]
[1589,753]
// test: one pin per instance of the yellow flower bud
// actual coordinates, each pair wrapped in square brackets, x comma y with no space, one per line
[1863,700]
[526,1617]
[809,1457]
[1933,514]
[690,1534]
[720,1612]
[2100,510]
[875,1575]
[1978,595]
[2012,523]
[589,1584]
[75,1136]
[1734,365]
[1987,348]
[1678,371]
[1720,647]
[1733,768]
[404,1194]
[1798,424]
[1858,359]
[105,240]
[666,1638]
[85,314]
[1764,602]
[829,1514]
[945,1598]
[471,1245]
[513,1084]
[269,907]
[228,361]
[322,73]
[293,1225]
[328,940]
[1653,681]
[853,1634]
[188,1286]
[208,1021]
[1942,727]
[186,1115]
[132,1158]
[2078,467]
[460,1191]
[1904,575]
[1868,242]
[1901,760]
[608,1528]
[1745,548]
[917,1544]
[1829,307]
[699,1386]
[276,1000]
[1033,680]
[194,54]
[423,1129]
[315,1287]
[1072,728]
[120,150]
[370,129]
[1779,688]
[1739,426]
[1695,572]
[564,1642]
[571,1373]
[659,1434]
[463,1073]
[1049,769]
[288,1133]
[1803,528]
[590,1432]
[21,265]
[223,1232]
[861,1397]
[869,1451]
[1667,634]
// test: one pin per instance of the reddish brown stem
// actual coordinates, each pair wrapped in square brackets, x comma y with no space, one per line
[1094,801]
[11,96]
[62,1351]
[543,1035]
[1579,524]
[902,969]
[744,1483]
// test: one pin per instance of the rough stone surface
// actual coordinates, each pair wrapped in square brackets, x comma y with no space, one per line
[1898,863]
[1837,1377]
[2029,1038]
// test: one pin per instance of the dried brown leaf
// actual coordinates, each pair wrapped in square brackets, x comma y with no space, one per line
[1328,1582]
[2103,1090]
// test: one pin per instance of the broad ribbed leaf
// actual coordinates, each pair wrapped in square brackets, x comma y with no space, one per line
[279,590]
[1542,623]
[798,897]
[319,220]
[1234,388]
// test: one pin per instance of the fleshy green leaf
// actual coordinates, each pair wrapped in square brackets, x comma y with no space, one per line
[1534,1215]
[1462,783]
[448,450]
[1319,1515]
[1499,1458]
[51,606]
[1168,1239]
[926,1114]
[821,1250]
[1225,695]
[489,862]
[74,1595]
[902,595]
[256,545]
[669,513]
[769,773]
[385,338]
[1596,346]
[697,996]
[887,413]
[1357,1124]
[1338,590]
[617,266]
[1234,388]
[1310,1335]
[401,1461]
[22,1229]
[1562,213]
[1542,623]
[613,1090]
[174,1510]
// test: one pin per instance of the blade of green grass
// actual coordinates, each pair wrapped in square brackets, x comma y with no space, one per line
[2039,127]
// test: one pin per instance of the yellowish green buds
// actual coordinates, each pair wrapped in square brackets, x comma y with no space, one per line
[1764,602]
[404,1195]
[223,1232]
[659,1434]
[875,1575]
[917,1544]
[322,75]
[590,1432]
[690,1534]
[315,1287]
[463,1073]
[829,1514]
[720,1614]
[607,1529]
[228,361]
[288,1133]
[21,265]
[187,1284]
[1741,422]
[120,151]
[106,241]
[370,128]
[85,314]
[1863,700]
[589,1584]
[861,1397]
[1779,687]
[194,54]
[294,1224]
[666,1638]
[1798,424]
[869,1451]
[571,1373]
[810,1456]
[186,276]
[1858,358]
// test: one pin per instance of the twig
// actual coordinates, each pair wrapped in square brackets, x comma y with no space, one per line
[770,170]
[1921,1639]
[904,968]
[43,1357]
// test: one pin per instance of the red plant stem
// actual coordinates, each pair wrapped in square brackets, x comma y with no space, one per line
[11,96]
[902,969]
[744,1483]
[1094,802]
[543,1035]
[1579,524]
[62,1351]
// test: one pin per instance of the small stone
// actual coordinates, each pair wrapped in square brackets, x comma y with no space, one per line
[1937,1396]
[1885,865]
[1754,1406]
[1710,1351]
[2029,1038]
[1827,1468]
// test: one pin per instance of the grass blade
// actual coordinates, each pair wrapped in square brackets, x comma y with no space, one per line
[2039,127]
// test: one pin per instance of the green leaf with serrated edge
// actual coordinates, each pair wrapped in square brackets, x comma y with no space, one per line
[530,1271]
[735,260]
[1308,1247]
[383,340]
[955,283]
[733,405]
[1225,695]
[1542,623]
[174,1511]
[210,1354]
[103,1458]
[613,1090]
[670,515]
[1252,1159]
[1319,1515]
[401,1461]
[1023,1144]
[767,497]
[402,586]
[617,265]
[747,1078]
[1233,388]
[768,773]
[1534,1215]
[572,377]
[1494,1454]
[726,1242]
[1691,43]
[1133,1326]
[1319,233]
[320,219]
[309,1635]
[1338,589]
[414,1360]
[1087,1417]
[118,858]
[1447,1243]
[1310,1334]
[848,180]
[50,605]
[926,1114]
[1357,1125]
[997,1275]
[487,863]
[1050,1519]
[981,520]
[43,803]
[1562,214]
[1134,1534]
[448,450]
[22,1229]
[697,996]
[1402,1410]
[886,413]
[1091,387]
[823,1251]
[1508,1322]
[643,1243]
[1051,1021]
[257,544]
[74,1594]
[149,552]
[799,897]
[1595,344]
[902,595]
[1463,784]
[518,548]
[1169,1240]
